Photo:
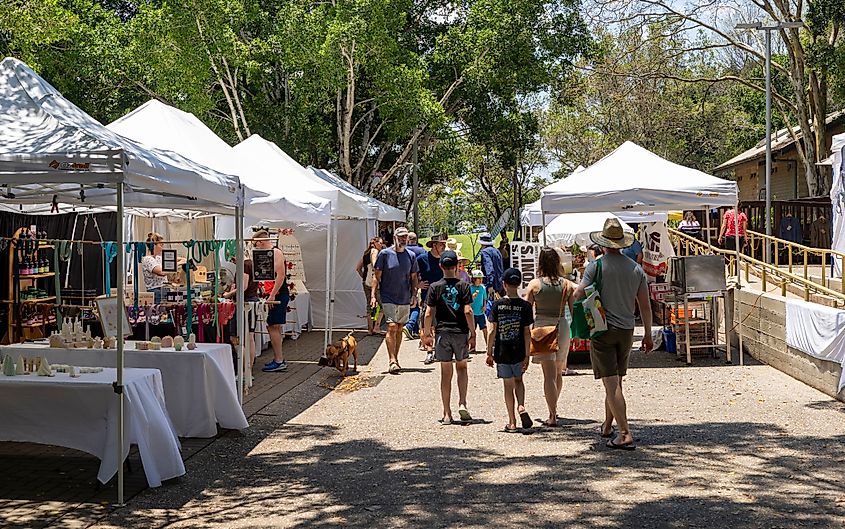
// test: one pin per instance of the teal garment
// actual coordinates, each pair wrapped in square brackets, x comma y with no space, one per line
[479,300]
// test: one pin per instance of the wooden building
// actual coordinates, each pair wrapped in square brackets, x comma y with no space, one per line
[788,180]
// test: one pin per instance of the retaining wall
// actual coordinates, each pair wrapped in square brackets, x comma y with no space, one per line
[764,337]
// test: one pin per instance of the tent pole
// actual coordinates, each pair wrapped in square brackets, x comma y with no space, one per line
[239,282]
[121,278]
[544,226]
[738,280]
[707,223]
[334,280]
[328,280]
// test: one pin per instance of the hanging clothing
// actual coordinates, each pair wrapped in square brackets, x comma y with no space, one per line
[790,230]
[820,233]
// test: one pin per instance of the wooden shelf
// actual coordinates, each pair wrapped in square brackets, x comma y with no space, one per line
[37,276]
[41,246]
[39,300]
[34,325]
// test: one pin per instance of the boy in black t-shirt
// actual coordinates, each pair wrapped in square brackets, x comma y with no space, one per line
[508,346]
[450,303]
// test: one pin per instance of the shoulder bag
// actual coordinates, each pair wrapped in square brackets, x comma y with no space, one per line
[544,339]
[584,327]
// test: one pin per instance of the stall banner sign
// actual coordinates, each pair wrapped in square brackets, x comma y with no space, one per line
[524,257]
[657,248]
[293,255]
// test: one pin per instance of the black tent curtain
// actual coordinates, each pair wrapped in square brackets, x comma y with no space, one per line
[61,226]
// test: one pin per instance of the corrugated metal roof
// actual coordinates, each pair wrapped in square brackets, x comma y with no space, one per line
[780,140]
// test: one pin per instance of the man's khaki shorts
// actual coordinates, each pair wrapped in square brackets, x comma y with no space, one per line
[609,352]
[396,313]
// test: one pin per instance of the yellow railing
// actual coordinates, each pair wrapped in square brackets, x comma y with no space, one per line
[768,273]
[756,242]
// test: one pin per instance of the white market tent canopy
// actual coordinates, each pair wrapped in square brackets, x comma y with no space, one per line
[52,150]
[532,215]
[574,228]
[632,178]
[269,169]
[155,124]
[385,212]
[48,146]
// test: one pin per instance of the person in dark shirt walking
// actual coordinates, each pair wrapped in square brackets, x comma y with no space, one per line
[508,346]
[450,303]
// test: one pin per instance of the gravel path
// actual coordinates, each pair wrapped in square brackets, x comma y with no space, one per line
[719,446]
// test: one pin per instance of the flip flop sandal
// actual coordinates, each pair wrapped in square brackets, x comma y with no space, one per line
[445,422]
[549,425]
[508,429]
[610,435]
[393,369]
[526,420]
[622,446]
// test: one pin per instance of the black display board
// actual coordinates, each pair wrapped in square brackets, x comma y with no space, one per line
[263,265]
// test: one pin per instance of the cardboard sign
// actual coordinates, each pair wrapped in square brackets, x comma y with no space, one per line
[293,255]
[657,248]
[168,261]
[524,257]
[263,265]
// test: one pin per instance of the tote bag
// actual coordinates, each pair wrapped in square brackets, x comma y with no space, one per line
[588,315]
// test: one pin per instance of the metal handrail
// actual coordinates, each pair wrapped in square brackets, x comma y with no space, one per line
[755,239]
[783,277]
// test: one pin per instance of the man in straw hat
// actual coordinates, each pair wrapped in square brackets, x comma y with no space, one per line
[622,287]
[492,265]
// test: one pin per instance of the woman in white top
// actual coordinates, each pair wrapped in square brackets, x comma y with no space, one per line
[154,276]
[690,225]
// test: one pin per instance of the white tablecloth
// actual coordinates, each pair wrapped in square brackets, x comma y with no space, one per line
[81,413]
[818,331]
[199,384]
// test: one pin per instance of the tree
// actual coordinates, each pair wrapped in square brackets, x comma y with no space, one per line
[811,52]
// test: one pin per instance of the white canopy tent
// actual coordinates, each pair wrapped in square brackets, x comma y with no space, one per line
[631,178]
[384,212]
[354,220]
[837,198]
[574,228]
[52,150]
[155,124]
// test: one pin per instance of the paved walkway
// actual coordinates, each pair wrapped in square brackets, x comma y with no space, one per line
[719,446]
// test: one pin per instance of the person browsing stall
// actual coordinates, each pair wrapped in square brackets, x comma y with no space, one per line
[277,313]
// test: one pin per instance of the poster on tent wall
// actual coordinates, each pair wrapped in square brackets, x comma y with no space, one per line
[293,254]
[657,248]
[524,257]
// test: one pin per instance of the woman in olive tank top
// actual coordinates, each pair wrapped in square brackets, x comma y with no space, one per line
[548,293]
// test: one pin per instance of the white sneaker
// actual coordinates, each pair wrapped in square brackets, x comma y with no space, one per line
[429,358]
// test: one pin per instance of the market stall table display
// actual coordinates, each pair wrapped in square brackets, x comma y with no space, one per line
[81,413]
[199,384]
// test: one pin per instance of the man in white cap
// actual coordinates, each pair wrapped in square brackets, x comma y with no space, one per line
[621,283]
[395,276]
[492,265]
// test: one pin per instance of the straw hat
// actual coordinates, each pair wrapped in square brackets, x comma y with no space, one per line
[612,235]
[454,245]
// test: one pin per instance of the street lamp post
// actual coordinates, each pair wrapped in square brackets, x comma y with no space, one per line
[759,26]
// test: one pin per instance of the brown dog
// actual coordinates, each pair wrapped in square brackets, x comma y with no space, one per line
[338,353]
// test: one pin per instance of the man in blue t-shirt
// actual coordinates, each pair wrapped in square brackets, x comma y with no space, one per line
[395,277]
[412,328]
[430,273]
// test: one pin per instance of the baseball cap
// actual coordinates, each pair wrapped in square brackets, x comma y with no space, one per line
[400,232]
[512,277]
[477,274]
[448,259]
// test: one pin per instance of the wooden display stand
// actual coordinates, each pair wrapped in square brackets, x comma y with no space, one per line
[16,330]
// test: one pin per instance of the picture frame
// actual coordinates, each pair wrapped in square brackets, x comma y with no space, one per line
[168,261]
[263,265]
[109,309]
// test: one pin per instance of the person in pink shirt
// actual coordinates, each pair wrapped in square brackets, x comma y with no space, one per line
[728,231]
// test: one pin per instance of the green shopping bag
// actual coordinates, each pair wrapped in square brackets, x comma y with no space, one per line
[580,328]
